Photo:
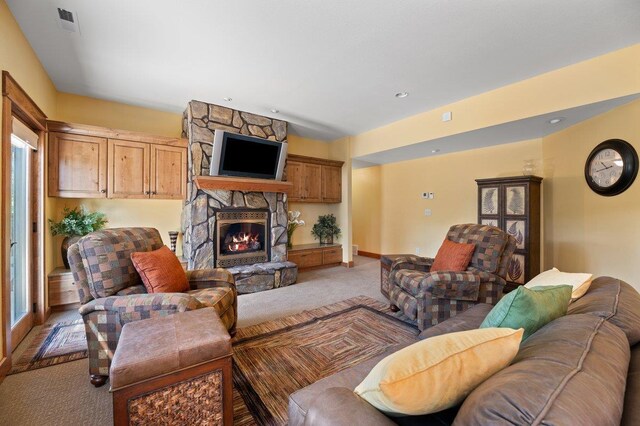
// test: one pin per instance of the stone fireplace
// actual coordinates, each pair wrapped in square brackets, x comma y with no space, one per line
[256,220]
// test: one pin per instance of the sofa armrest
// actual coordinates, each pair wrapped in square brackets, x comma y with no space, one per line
[141,305]
[208,278]
[412,262]
[342,407]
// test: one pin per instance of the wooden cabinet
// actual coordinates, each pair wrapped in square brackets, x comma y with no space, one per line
[94,162]
[168,172]
[331,184]
[62,290]
[315,255]
[128,169]
[315,180]
[77,166]
[513,205]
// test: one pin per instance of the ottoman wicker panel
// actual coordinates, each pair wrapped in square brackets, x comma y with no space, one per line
[173,370]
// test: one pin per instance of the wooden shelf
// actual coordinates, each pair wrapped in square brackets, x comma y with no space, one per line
[241,184]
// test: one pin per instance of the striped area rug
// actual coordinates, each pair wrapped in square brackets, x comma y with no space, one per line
[276,358]
[55,344]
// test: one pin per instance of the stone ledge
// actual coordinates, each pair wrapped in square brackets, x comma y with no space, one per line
[264,276]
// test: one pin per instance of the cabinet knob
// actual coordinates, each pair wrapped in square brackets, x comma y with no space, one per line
[104,191]
[147,192]
[154,193]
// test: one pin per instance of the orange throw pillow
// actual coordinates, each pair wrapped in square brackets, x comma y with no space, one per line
[453,256]
[160,271]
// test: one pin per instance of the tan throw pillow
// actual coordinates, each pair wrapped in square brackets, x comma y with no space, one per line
[439,372]
[579,281]
[160,271]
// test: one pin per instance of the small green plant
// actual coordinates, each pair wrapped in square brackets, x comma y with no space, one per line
[325,229]
[77,222]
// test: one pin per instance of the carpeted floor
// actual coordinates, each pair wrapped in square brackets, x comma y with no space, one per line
[62,394]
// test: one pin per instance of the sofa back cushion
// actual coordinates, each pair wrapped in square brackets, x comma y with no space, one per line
[572,371]
[106,257]
[615,301]
[490,243]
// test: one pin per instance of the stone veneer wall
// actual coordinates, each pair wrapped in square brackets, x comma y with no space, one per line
[200,121]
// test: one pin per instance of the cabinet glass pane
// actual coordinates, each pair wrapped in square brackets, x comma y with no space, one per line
[517,228]
[515,204]
[489,200]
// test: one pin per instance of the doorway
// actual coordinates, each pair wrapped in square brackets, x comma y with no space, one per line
[21,214]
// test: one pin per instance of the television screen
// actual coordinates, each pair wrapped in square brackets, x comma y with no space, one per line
[239,155]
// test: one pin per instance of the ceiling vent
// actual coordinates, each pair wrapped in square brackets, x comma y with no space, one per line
[68,20]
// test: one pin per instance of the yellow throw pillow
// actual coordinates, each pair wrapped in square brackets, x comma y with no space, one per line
[553,277]
[439,372]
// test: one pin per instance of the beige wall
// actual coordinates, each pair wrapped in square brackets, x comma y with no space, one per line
[401,225]
[17,57]
[367,207]
[584,231]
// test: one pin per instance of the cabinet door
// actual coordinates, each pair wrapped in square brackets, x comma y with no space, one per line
[296,177]
[168,172]
[313,183]
[128,169]
[77,166]
[331,184]
[332,255]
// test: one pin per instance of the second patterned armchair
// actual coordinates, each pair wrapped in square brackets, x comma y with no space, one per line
[112,294]
[431,297]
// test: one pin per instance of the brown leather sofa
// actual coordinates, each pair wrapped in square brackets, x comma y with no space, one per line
[581,369]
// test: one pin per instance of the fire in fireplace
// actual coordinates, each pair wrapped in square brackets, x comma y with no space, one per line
[242,237]
[241,241]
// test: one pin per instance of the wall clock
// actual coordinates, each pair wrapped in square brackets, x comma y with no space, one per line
[611,167]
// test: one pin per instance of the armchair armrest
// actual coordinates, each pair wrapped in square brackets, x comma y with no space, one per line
[462,285]
[342,407]
[140,306]
[412,262]
[208,278]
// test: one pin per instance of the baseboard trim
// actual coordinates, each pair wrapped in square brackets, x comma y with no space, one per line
[369,254]
[348,264]
[5,366]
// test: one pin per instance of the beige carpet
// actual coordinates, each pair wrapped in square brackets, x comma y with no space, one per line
[62,394]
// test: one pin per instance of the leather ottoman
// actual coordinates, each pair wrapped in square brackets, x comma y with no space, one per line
[173,370]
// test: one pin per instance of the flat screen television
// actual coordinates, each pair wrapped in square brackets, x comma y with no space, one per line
[247,156]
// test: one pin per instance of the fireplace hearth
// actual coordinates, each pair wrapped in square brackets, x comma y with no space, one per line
[242,237]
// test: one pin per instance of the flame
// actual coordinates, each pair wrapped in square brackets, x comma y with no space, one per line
[243,242]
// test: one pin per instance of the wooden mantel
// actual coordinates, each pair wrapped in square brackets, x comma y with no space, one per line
[229,183]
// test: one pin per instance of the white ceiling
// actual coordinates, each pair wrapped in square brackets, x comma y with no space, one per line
[330,67]
[515,131]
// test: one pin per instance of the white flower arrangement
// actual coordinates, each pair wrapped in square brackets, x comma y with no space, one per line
[293,224]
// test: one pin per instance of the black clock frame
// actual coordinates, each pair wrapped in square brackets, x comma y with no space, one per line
[629,170]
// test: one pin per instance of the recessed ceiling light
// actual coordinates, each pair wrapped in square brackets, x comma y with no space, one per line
[275,111]
[228,99]
[433,151]
[556,120]
[402,94]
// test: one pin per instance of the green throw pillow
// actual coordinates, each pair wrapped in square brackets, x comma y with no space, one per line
[530,309]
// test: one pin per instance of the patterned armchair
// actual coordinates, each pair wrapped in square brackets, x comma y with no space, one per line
[431,297]
[112,294]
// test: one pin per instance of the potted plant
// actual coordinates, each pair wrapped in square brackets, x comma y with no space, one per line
[75,223]
[326,229]
[292,225]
